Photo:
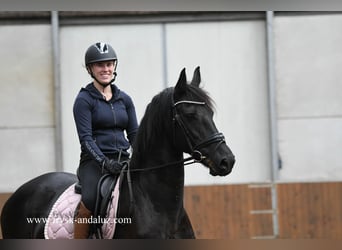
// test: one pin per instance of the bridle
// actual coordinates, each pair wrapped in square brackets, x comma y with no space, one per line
[195,149]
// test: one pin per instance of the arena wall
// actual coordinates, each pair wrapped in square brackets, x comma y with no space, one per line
[232,50]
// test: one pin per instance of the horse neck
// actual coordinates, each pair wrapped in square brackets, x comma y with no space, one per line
[162,157]
[166,182]
[157,197]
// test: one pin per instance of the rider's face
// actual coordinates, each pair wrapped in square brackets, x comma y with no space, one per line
[103,71]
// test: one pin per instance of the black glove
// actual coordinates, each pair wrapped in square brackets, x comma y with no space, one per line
[112,166]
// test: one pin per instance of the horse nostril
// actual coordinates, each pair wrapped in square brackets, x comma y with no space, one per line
[224,164]
[228,163]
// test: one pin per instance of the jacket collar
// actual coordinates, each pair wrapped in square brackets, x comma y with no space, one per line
[90,88]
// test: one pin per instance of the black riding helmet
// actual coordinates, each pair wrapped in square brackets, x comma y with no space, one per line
[100,52]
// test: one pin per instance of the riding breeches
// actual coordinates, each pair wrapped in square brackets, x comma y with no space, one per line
[89,173]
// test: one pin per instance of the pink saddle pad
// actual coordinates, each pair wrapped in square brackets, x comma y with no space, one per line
[60,222]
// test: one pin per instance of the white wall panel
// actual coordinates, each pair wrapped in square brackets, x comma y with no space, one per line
[26,104]
[311,149]
[26,76]
[308,63]
[233,65]
[25,154]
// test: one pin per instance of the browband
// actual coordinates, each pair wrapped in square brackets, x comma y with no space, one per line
[190,102]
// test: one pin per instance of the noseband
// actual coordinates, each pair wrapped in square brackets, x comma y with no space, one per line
[195,150]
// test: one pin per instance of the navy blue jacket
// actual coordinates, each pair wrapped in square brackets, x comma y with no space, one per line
[101,124]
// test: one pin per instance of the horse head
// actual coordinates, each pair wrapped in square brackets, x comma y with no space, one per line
[195,131]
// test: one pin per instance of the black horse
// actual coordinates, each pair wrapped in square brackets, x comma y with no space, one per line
[179,119]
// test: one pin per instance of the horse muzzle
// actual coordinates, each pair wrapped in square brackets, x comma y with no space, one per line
[221,167]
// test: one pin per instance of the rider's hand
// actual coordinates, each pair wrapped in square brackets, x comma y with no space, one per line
[112,166]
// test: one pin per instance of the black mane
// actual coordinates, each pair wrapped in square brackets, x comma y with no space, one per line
[157,123]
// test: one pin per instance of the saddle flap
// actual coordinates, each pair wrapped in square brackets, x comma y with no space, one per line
[105,187]
[106,184]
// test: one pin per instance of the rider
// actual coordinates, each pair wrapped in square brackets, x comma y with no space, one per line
[102,114]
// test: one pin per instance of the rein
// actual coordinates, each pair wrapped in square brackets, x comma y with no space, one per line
[126,169]
[186,161]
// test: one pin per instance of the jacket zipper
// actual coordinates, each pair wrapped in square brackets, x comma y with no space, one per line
[112,108]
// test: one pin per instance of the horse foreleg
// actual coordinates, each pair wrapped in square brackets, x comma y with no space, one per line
[185,230]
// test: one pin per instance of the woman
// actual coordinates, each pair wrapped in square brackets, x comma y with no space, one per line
[102,114]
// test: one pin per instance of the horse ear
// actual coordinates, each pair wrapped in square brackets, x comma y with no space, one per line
[196,79]
[182,82]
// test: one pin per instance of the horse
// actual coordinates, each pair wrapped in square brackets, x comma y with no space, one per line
[178,120]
